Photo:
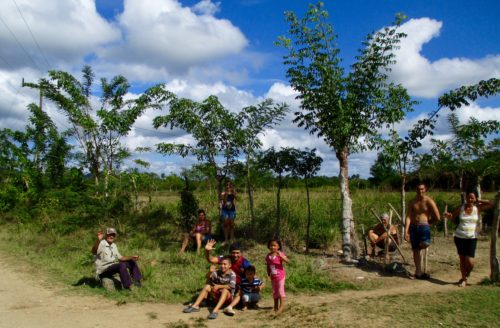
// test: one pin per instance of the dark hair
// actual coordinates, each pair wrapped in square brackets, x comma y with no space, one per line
[202,211]
[471,191]
[274,240]
[235,247]
[250,269]
[227,258]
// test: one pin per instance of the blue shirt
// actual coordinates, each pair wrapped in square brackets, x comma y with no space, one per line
[248,286]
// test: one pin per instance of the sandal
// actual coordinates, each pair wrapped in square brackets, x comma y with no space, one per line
[212,315]
[190,309]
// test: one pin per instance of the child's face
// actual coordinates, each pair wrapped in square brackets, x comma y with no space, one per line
[225,265]
[250,275]
[274,246]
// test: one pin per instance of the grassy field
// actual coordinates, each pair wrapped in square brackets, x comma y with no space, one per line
[171,278]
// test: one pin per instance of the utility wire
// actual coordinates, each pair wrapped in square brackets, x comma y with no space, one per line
[5,60]
[20,45]
[32,36]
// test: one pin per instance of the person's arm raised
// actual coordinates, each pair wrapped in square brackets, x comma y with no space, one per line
[208,248]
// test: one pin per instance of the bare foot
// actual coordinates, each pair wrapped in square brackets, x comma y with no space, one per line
[244,308]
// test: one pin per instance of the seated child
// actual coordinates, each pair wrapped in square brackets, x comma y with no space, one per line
[250,287]
[220,286]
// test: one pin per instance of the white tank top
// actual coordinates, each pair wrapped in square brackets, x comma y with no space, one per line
[467,224]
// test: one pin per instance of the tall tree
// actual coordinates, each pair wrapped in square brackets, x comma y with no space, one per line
[98,132]
[306,165]
[346,110]
[470,147]
[281,163]
[215,130]
[254,120]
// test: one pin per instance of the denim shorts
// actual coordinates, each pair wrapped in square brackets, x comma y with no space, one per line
[226,214]
[251,298]
[420,235]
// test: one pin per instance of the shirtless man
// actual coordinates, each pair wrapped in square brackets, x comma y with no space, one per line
[422,212]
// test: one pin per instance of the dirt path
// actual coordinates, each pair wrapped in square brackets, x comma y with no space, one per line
[28,301]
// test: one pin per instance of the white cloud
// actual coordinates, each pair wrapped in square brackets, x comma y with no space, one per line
[206,7]
[65,31]
[172,37]
[428,79]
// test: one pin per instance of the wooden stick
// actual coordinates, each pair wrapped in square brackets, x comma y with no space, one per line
[364,240]
[399,216]
[386,244]
[445,221]
[389,235]
[425,259]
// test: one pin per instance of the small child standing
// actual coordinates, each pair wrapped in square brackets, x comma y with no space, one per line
[250,287]
[276,271]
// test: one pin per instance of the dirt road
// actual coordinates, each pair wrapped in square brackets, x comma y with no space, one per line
[26,300]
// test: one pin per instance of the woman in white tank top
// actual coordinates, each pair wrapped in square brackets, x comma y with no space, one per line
[467,217]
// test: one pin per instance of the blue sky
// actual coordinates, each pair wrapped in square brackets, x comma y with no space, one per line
[226,48]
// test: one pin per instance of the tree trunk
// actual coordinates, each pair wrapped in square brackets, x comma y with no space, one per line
[349,240]
[250,197]
[481,227]
[308,215]
[278,209]
[495,272]
[403,206]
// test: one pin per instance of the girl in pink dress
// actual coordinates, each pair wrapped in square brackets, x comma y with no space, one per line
[276,272]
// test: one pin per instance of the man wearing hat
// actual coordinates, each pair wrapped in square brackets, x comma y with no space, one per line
[108,261]
[378,235]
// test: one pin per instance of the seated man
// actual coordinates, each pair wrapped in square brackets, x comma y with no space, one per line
[378,235]
[108,261]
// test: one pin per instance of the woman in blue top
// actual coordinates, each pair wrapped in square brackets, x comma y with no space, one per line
[467,217]
[228,212]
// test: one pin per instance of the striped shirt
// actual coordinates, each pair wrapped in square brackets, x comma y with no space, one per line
[467,224]
[248,286]
[220,278]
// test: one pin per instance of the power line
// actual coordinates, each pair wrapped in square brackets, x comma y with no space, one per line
[20,45]
[32,36]
[5,60]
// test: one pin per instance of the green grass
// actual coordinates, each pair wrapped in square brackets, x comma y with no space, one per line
[168,277]
[470,307]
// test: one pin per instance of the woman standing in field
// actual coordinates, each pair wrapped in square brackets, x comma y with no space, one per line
[228,212]
[467,217]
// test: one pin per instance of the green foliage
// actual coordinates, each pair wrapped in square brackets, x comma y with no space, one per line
[460,97]
[9,196]
[98,132]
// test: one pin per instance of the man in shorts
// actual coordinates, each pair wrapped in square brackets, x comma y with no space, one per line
[422,212]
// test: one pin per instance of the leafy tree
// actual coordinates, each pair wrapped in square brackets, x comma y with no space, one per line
[280,162]
[382,170]
[214,128]
[346,110]
[306,165]
[254,120]
[99,132]
[470,147]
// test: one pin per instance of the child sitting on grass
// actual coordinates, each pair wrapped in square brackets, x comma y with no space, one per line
[250,287]
[220,286]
